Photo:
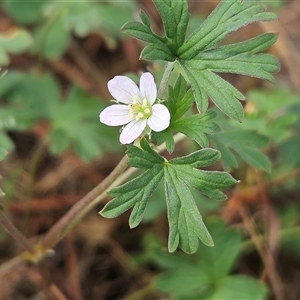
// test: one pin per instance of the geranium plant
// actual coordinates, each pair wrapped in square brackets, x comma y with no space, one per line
[200,57]
[154,119]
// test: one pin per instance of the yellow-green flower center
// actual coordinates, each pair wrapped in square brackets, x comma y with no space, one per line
[139,110]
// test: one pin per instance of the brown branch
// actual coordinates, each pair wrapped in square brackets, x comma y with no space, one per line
[15,233]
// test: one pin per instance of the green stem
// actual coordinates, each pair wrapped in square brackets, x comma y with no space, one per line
[164,81]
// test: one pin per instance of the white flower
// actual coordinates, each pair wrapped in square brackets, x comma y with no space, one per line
[138,109]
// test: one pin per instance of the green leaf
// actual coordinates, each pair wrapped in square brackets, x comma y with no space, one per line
[144,157]
[237,58]
[84,18]
[157,48]
[14,41]
[238,287]
[184,218]
[240,58]
[269,102]
[9,81]
[182,282]
[52,39]
[25,12]
[185,221]
[135,192]
[81,18]
[180,100]
[228,17]
[246,144]
[227,158]
[206,274]
[175,17]
[205,83]
[199,55]
[207,182]
[217,262]
[200,158]
[27,100]
[145,18]
[167,137]
[74,123]
[197,126]
[269,115]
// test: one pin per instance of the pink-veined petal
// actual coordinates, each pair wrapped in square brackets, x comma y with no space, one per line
[148,88]
[123,89]
[132,131]
[115,115]
[160,118]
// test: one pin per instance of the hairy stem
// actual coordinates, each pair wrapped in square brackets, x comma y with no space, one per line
[61,228]
[164,81]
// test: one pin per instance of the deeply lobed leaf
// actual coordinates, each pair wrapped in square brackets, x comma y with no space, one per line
[180,99]
[199,55]
[244,142]
[200,158]
[228,16]
[144,157]
[185,222]
[207,182]
[208,273]
[135,192]
[197,126]
[157,48]
[240,58]
[175,17]
[206,83]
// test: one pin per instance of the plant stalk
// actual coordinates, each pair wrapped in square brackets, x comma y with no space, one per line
[61,228]
[15,233]
[164,81]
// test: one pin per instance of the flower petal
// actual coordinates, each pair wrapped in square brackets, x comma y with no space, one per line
[115,115]
[123,89]
[132,131]
[148,88]
[160,118]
